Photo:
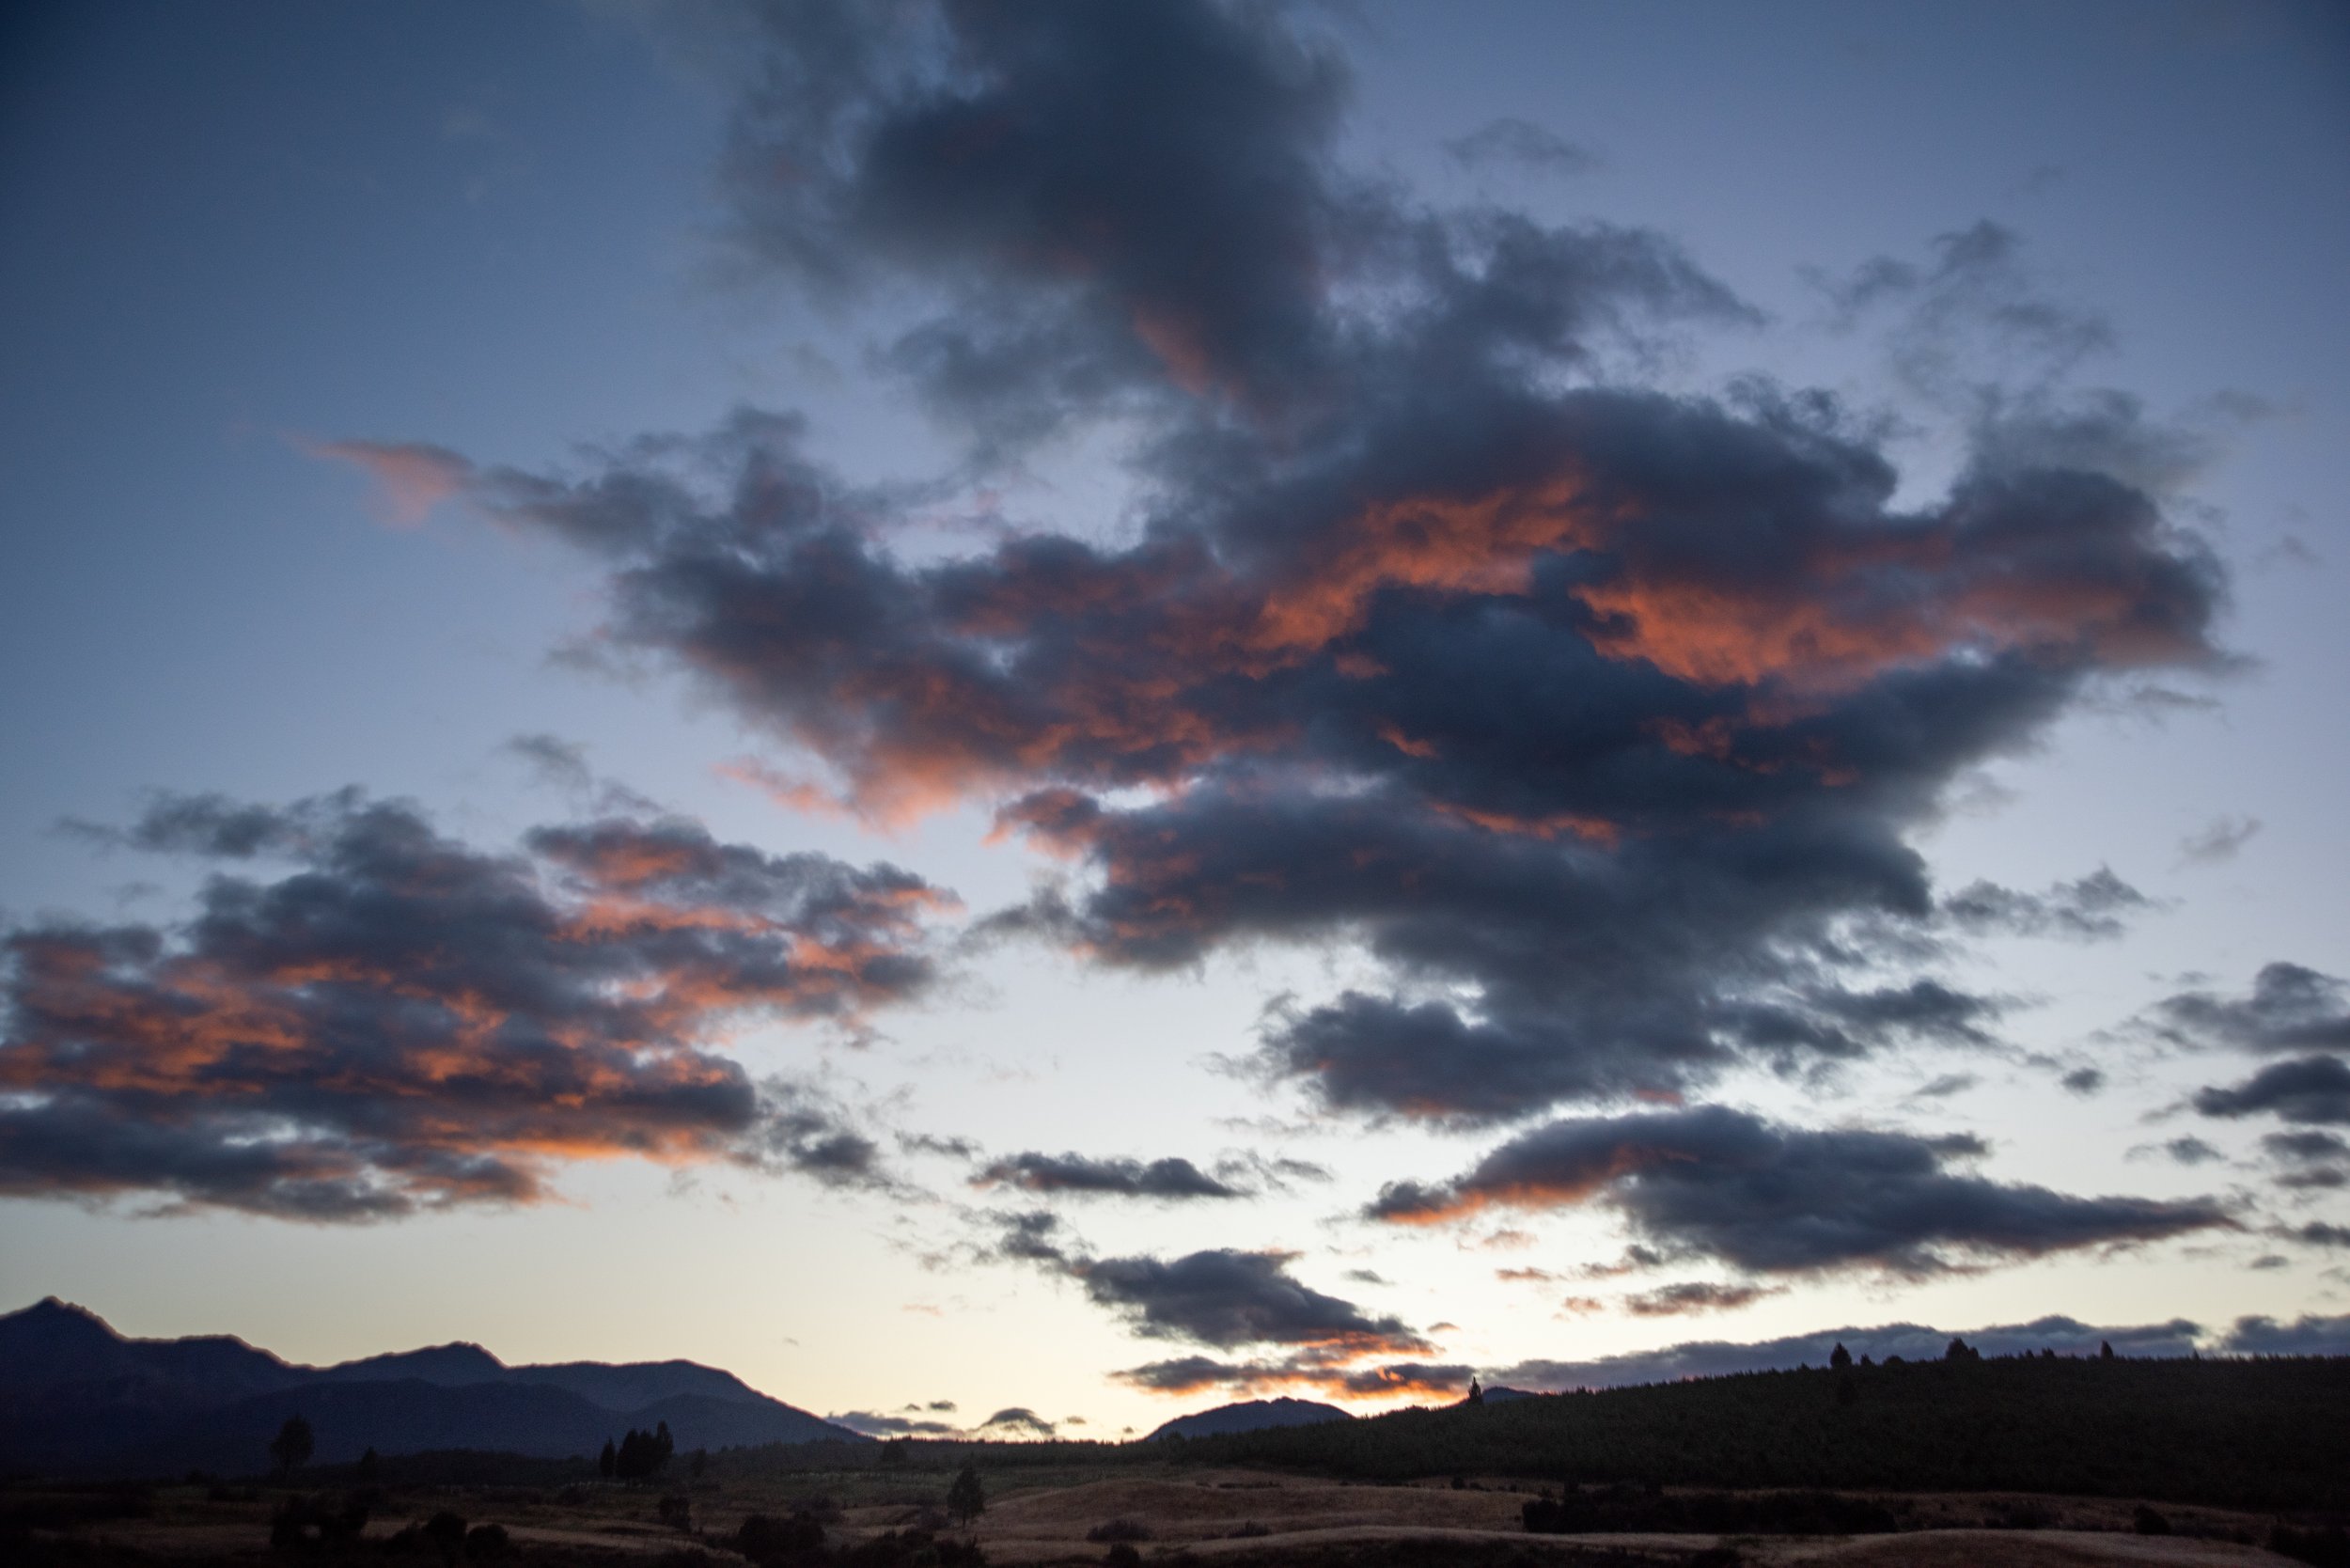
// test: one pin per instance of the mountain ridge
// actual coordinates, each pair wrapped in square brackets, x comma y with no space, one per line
[80,1397]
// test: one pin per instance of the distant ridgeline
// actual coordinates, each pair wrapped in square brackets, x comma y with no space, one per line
[78,1399]
[2260,1433]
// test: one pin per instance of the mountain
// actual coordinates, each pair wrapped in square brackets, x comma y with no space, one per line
[78,1398]
[1251,1416]
[1503,1396]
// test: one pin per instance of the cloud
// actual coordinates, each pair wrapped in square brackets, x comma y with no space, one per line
[412,477]
[1972,315]
[2314,1091]
[1194,1374]
[1512,140]
[400,1021]
[2290,1009]
[2318,1233]
[1017,1419]
[2083,1080]
[2191,1150]
[2307,1335]
[876,1425]
[1173,1179]
[1911,1341]
[1601,719]
[1223,1297]
[1715,1183]
[2095,906]
[2307,1146]
[2218,842]
[1697,1296]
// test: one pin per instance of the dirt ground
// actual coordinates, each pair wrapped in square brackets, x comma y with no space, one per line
[1232,1519]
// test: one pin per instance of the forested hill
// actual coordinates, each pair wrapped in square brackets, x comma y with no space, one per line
[2257,1432]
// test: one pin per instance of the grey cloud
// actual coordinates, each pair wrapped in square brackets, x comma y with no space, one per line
[2191,1150]
[1909,1340]
[2093,907]
[2291,1007]
[1722,1184]
[2218,842]
[1697,1296]
[2310,1146]
[1018,1418]
[877,1425]
[1223,1298]
[1171,1178]
[2307,1335]
[1512,140]
[2083,1080]
[2313,1091]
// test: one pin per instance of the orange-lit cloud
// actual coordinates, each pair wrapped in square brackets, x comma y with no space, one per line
[404,1022]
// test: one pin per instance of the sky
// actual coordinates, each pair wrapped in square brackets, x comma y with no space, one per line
[1085,709]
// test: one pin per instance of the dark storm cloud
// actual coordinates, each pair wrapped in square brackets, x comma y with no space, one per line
[2097,906]
[2314,1091]
[1601,718]
[1512,140]
[1721,1183]
[2307,1335]
[2290,1009]
[401,1021]
[1223,1298]
[1173,1179]
[1911,1341]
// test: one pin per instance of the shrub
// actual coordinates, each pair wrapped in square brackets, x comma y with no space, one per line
[488,1543]
[1118,1530]
[1123,1555]
[2147,1522]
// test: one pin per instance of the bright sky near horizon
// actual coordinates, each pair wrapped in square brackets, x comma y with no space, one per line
[1093,709]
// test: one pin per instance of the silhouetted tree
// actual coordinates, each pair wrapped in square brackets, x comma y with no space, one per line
[966,1499]
[1839,1358]
[677,1510]
[368,1464]
[894,1451]
[1961,1351]
[2105,1350]
[697,1462]
[488,1543]
[607,1460]
[292,1446]
[446,1532]
[643,1454]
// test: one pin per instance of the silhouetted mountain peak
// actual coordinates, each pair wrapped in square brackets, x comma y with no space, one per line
[450,1365]
[1251,1416]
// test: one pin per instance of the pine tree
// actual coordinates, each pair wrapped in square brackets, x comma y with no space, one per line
[608,1461]
[965,1499]
[293,1445]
